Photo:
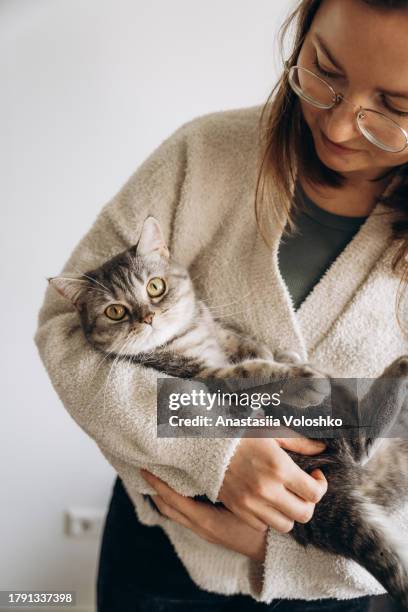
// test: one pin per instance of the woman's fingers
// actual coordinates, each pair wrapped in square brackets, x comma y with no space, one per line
[196,516]
[309,488]
[296,480]
[171,497]
[256,522]
[286,506]
[294,508]
[197,513]
[282,510]
[213,524]
[293,499]
[170,512]
[176,516]
[321,478]
[301,445]
[273,517]
[304,485]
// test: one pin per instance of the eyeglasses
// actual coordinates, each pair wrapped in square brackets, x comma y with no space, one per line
[379,129]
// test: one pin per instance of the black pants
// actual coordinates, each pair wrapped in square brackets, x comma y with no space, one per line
[139,571]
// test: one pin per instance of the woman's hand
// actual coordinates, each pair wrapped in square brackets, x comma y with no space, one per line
[264,486]
[214,524]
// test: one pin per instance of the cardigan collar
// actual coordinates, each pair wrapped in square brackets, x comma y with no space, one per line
[304,329]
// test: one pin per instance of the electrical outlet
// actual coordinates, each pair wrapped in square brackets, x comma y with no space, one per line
[81,522]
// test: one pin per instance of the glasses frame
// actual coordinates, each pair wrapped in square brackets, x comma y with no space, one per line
[337,99]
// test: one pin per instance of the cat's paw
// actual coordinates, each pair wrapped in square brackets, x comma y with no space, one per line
[398,368]
[305,387]
[287,357]
[263,352]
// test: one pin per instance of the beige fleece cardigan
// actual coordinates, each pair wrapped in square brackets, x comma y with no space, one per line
[200,184]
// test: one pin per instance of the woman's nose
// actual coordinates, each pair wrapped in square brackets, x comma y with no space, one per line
[340,124]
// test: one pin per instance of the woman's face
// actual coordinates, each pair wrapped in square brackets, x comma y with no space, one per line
[363,53]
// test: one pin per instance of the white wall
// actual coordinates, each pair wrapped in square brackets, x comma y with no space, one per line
[89,88]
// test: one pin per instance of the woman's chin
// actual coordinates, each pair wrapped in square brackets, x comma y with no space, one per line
[348,161]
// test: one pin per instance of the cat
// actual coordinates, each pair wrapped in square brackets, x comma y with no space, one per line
[141,306]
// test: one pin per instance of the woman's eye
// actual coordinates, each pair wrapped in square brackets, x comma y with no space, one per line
[116,312]
[387,105]
[156,287]
[326,73]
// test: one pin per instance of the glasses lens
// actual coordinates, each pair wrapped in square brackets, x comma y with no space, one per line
[381,131]
[311,88]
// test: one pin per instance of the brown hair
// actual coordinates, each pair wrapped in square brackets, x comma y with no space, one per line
[288,145]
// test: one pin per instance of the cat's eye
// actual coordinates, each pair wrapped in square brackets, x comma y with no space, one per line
[116,312]
[156,287]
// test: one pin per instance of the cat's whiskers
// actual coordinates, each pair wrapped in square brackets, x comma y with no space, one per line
[77,280]
[106,356]
[107,295]
[92,279]
[82,280]
[205,258]
[218,306]
[103,291]
[195,277]
[150,354]
[230,314]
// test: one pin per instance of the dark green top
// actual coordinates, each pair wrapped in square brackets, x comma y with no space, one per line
[319,238]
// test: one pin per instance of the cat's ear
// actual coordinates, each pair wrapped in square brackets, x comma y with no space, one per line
[69,288]
[151,239]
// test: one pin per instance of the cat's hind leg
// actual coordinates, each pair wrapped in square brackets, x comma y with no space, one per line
[358,529]
[383,550]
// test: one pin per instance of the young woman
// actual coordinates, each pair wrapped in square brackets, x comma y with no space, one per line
[332,141]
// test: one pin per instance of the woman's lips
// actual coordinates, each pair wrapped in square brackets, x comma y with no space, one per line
[335,148]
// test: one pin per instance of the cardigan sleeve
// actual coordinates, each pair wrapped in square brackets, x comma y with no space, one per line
[116,406]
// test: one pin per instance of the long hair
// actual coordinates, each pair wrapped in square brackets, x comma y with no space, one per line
[288,147]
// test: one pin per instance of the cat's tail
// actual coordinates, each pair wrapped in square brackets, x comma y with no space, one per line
[380,409]
[383,550]
[363,532]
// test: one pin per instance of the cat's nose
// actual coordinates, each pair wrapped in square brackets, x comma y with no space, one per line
[148,318]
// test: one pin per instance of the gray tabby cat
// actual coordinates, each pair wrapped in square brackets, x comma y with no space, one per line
[140,306]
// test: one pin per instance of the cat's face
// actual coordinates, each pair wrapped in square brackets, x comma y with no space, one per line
[136,301]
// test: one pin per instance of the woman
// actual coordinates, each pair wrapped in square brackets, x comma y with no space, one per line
[333,142]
